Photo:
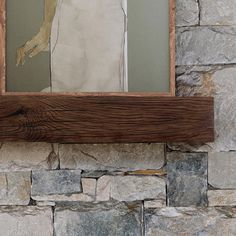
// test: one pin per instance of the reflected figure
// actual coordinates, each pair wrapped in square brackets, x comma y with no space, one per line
[40,41]
[86,44]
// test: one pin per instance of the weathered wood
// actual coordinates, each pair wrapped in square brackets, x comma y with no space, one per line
[106,119]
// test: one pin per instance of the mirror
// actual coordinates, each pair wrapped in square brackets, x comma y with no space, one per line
[88,46]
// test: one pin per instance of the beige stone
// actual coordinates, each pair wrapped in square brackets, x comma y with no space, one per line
[104,188]
[130,188]
[15,188]
[155,203]
[123,157]
[222,197]
[26,221]
[222,170]
[27,156]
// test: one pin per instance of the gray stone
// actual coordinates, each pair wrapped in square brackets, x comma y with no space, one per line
[221,197]
[187,13]
[112,156]
[205,45]
[98,220]
[219,82]
[221,170]
[218,12]
[15,188]
[190,221]
[225,108]
[27,156]
[130,188]
[56,182]
[45,203]
[186,179]
[88,194]
[26,221]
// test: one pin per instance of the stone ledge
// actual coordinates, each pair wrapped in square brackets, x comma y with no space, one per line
[112,157]
[19,156]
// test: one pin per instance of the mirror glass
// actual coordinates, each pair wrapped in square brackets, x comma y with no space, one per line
[87,46]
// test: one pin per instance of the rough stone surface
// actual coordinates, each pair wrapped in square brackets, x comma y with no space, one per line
[112,156]
[155,203]
[218,81]
[130,188]
[218,12]
[27,156]
[15,188]
[88,194]
[222,170]
[45,203]
[187,13]
[221,197]
[26,221]
[186,179]
[205,45]
[56,182]
[190,221]
[98,220]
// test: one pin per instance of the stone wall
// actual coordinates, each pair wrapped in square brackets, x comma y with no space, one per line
[139,189]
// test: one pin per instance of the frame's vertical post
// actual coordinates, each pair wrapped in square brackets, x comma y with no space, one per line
[126,83]
[2,45]
[172,46]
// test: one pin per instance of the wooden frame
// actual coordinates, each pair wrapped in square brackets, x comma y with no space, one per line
[103,117]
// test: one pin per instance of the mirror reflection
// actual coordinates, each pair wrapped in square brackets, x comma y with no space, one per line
[88,46]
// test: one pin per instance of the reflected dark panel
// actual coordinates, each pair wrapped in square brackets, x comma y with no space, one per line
[148,46]
[24,18]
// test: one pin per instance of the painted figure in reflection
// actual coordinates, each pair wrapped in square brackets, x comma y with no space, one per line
[86,43]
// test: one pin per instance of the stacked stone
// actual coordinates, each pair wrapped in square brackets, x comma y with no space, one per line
[139,189]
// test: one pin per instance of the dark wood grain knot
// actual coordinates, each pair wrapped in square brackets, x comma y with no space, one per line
[22,111]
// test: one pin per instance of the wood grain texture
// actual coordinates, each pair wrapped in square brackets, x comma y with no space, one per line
[106,119]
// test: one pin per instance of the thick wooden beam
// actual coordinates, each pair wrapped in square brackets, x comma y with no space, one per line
[106,119]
